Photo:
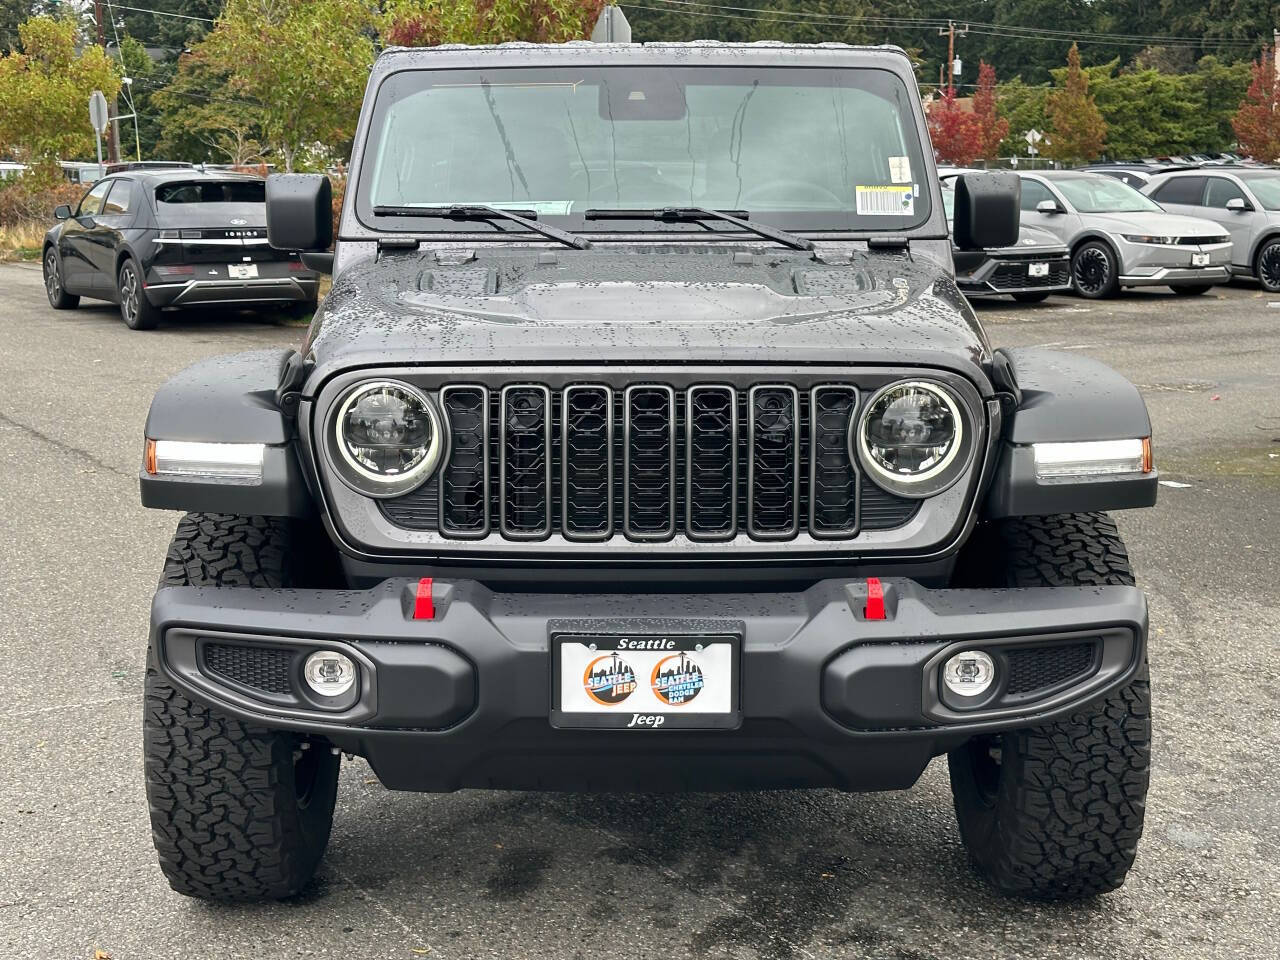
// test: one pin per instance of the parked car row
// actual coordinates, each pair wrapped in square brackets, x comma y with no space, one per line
[155,239]
[1186,227]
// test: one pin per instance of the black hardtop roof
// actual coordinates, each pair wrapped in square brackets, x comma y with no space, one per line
[695,52]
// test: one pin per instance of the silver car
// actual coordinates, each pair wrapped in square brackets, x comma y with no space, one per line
[1243,200]
[1120,238]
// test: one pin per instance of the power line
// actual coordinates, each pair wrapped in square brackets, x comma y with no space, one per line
[163,13]
[1009,31]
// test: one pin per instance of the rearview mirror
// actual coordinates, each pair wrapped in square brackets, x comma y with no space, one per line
[1048,206]
[987,210]
[62,212]
[1238,204]
[299,212]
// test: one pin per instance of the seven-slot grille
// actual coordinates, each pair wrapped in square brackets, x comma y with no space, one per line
[647,461]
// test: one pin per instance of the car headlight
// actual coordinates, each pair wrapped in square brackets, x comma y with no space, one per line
[912,438]
[388,436]
[1144,238]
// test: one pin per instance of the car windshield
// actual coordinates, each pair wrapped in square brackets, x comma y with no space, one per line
[1099,194]
[1265,186]
[796,148]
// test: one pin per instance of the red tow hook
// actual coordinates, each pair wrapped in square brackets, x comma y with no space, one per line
[874,609]
[423,606]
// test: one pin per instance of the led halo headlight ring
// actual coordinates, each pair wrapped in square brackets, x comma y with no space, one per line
[358,476]
[936,478]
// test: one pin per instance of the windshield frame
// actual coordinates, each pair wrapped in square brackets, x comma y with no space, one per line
[358,211]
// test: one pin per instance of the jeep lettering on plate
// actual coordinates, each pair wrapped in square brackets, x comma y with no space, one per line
[645,442]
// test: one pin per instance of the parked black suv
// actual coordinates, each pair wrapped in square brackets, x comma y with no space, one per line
[646,443]
[154,239]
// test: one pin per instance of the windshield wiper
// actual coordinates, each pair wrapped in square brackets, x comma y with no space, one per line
[481,211]
[704,213]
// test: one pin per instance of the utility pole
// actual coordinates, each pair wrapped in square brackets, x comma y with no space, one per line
[113,131]
[951,32]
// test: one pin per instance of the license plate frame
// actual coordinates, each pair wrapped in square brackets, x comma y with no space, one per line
[571,704]
[242,271]
[1199,259]
[1037,269]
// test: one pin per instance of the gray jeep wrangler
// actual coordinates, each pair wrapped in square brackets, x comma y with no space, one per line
[645,442]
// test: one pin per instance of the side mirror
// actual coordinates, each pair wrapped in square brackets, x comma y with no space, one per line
[1239,204]
[299,212]
[62,212]
[1048,206]
[987,210]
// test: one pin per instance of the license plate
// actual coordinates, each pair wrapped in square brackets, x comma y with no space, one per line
[242,271]
[1038,270]
[645,682]
[1199,259]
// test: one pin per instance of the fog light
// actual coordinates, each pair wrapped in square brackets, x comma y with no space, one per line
[329,673]
[969,674]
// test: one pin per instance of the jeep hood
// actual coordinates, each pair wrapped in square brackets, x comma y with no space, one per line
[708,305]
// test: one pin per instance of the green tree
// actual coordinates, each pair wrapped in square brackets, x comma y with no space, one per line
[1077,131]
[201,119]
[1222,86]
[1147,112]
[44,92]
[301,65]
[421,23]
[1023,105]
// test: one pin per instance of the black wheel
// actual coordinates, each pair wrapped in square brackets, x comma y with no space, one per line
[59,299]
[1267,265]
[1035,297]
[1094,272]
[238,812]
[1055,811]
[135,308]
[1192,289]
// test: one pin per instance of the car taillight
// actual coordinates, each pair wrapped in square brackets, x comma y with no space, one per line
[174,271]
[297,266]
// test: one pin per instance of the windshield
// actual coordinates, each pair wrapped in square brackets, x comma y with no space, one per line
[797,148]
[1266,187]
[1099,194]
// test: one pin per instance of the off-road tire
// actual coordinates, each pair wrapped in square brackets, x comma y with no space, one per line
[1032,296]
[238,812]
[1055,812]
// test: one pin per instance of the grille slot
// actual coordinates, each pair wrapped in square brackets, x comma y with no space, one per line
[586,464]
[649,464]
[464,479]
[260,668]
[524,453]
[711,462]
[1034,669]
[773,461]
[833,475]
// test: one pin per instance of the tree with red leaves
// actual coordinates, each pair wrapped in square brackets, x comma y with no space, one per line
[992,127]
[955,131]
[425,23]
[1257,122]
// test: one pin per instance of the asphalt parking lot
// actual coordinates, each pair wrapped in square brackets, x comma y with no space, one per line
[769,875]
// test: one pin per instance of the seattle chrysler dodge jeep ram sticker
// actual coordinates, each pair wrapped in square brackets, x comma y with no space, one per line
[645,682]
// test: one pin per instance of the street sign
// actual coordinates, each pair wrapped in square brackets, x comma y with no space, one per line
[98,112]
[1032,136]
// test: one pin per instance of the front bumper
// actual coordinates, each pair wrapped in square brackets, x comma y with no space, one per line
[1149,264]
[827,697]
[1000,276]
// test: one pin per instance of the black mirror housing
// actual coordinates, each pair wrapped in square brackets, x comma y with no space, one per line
[62,212]
[299,211]
[988,210]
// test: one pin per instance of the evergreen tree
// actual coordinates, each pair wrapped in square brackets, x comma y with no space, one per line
[1077,132]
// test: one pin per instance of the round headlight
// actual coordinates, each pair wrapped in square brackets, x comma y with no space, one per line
[389,438]
[910,437]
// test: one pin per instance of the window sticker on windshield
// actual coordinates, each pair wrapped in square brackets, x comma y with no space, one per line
[900,169]
[885,201]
